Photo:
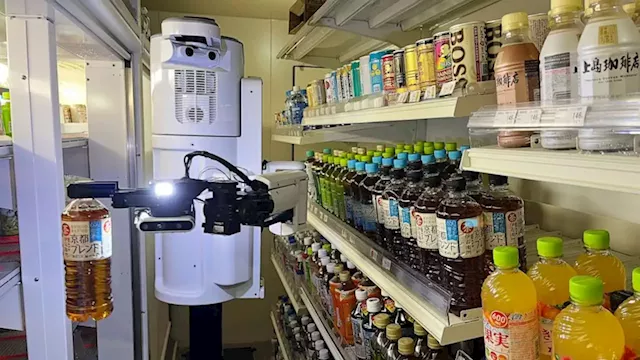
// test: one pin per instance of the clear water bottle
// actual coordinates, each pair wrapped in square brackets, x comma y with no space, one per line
[297,103]
[287,108]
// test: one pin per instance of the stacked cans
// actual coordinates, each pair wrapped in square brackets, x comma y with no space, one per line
[469,53]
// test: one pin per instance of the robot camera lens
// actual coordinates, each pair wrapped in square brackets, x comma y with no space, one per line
[189,52]
[212,55]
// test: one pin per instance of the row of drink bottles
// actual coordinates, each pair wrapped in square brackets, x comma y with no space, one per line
[554,313]
[352,302]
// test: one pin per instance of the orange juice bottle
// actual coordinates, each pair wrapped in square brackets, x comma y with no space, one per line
[551,277]
[510,311]
[599,262]
[585,330]
[629,316]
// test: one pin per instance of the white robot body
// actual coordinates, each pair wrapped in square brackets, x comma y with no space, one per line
[204,104]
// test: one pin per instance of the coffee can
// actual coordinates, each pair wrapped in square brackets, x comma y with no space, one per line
[442,56]
[330,88]
[388,73]
[398,69]
[469,52]
[411,67]
[426,66]
[365,75]
[339,86]
[347,80]
[493,30]
[319,92]
[311,100]
[375,71]
[355,78]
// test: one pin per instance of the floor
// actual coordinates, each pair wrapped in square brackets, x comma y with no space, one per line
[254,351]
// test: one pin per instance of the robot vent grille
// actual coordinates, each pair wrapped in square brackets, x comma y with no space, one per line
[196,93]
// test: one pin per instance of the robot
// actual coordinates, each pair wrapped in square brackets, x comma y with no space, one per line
[205,111]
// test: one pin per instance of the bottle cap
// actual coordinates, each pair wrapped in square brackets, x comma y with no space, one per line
[309,153]
[389,150]
[427,159]
[399,151]
[596,239]
[362,151]
[338,268]
[370,152]
[327,247]
[387,162]
[297,330]
[315,335]
[498,180]
[357,157]
[350,265]
[463,148]
[440,154]
[438,145]
[549,246]
[419,330]
[394,332]
[319,344]
[308,240]
[400,146]
[311,327]
[361,295]
[331,267]
[450,146]
[380,148]
[408,148]
[325,260]
[419,142]
[505,257]
[388,155]
[381,320]
[516,20]
[360,166]
[345,276]
[287,307]
[351,164]
[414,157]
[354,149]
[298,337]
[374,305]
[427,144]
[322,253]
[377,159]
[343,258]
[398,164]
[564,6]
[330,159]
[432,343]
[343,162]
[365,159]
[455,155]
[586,290]
[350,156]
[417,148]
[403,156]
[323,354]
[371,168]
[405,346]
[428,150]
[635,279]
[293,324]
[324,158]
[6,95]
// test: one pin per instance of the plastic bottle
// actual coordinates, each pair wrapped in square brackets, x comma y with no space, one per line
[338,189]
[378,189]
[374,306]
[401,318]
[550,276]
[509,308]
[311,346]
[429,167]
[298,103]
[367,206]
[6,114]
[421,349]
[628,314]
[503,221]
[86,239]
[392,333]
[358,316]
[559,77]
[585,330]
[598,261]
[379,340]
[370,287]
[347,302]
[388,304]
[606,52]
[426,228]
[357,278]
[352,268]
[461,244]
[287,107]
[315,265]
[474,185]
[355,192]
[334,296]
[453,166]
[390,198]
[308,253]
[325,183]
[308,164]
[405,348]
[517,64]
[317,171]
[441,159]
[408,226]
[438,145]
[348,196]
[319,278]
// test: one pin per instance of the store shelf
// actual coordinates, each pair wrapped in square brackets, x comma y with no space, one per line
[284,347]
[330,339]
[609,172]
[425,302]
[74,141]
[353,133]
[446,107]
[294,297]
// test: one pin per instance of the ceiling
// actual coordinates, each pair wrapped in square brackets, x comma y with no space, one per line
[264,9]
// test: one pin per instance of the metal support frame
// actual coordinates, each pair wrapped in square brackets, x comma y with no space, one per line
[39,176]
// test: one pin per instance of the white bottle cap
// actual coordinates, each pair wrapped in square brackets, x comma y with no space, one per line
[343,258]
[361,295]
[311,328]
[374,305]
[293,324]
[383,293]
[292,318]
[315,336]
[305,321]
[322,253]
[297,330]
[323,354]
[308,240]
[331,267]
[287,308]
[296,88]
[315,247]
[325,261]
[319,344]
[298,337]
[350,265]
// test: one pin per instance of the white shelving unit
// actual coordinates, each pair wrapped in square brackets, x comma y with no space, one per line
[609,172]
[373,132]
[282,341]
[426,303]
[293,294]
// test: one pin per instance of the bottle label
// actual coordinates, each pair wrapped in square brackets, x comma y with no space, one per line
[414,223]
[460,238]
[311,189]
[392,220]
[368,337]
[86,240]
[380,209]
[548,315]
[358,337]
[405,221]
[390,305]
[426,230]
[559,76]
[347,301]
[385,209]
[357,213]
[503,229]
[296,113]
[368,217]
[348,204]
[518,82]
[610,75]
[511,336]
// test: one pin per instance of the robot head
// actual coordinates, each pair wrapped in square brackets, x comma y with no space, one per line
[191,42]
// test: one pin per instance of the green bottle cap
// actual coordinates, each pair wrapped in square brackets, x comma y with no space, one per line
[357,157]
[586,290]
[325,158]
[330,159]
[343,162]
[326,151]
[438,145]
[505,257]
[635,279]
[350,156]
[6,95]
[370,152]
[309,153]
[365,158]
[408,148]
[336,160]
[418,149]
[427,144]
[421,143]
[398,151]
[451,146]
[377,153]
[400,146]
[327,247]
[549,246]
[389,150]
[596,239]
[428,150]
[388,155]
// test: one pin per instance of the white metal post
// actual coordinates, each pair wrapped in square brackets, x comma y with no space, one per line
[39,176]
